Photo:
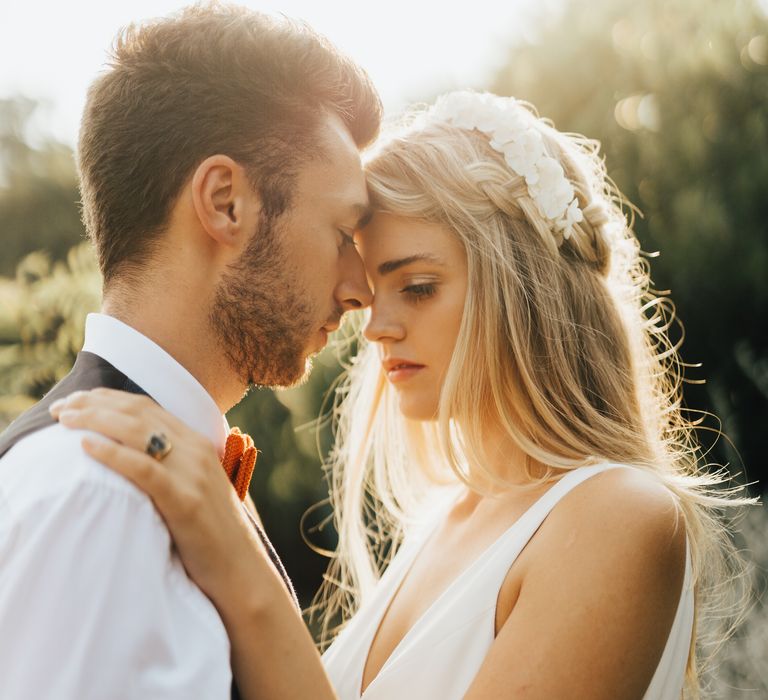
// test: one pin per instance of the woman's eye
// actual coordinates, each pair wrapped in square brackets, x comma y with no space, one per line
[417,292]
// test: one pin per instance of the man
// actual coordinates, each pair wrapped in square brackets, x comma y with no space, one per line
[221,183]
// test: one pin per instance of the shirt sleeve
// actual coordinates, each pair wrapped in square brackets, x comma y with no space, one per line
[95,605]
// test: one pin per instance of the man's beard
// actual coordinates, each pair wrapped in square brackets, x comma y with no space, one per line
[262,315]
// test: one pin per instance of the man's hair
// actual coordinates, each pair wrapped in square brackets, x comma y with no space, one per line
[211,79]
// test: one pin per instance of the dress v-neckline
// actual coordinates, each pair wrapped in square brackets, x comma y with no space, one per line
[395,587]
[419,546]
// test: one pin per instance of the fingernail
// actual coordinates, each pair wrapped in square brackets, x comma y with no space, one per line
[56,405]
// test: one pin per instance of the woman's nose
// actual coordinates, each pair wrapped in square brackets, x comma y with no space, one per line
[382,325]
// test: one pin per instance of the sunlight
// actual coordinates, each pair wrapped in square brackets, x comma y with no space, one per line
[411,50]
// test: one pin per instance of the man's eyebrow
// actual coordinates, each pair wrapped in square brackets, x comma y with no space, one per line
[391,265]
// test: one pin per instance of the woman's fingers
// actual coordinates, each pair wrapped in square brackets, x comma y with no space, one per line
[141,417]
[121,400]
[199,506]
[176,494]
[146,473]
[140,406]
[188,486]
[188,460]
[116,425]
[132,419]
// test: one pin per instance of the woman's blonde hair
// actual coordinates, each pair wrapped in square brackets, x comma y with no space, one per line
[562,344]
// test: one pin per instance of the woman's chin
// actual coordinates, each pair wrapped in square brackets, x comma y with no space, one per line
[413,409]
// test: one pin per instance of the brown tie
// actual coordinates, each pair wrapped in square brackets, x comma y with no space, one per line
[239,460]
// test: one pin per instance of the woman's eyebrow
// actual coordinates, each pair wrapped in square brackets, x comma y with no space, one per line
[391,265]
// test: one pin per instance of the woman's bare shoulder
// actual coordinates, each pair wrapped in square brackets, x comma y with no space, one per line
[600,585]
[624,497]
[615,512]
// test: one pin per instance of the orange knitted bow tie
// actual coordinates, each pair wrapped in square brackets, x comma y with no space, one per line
[239,460]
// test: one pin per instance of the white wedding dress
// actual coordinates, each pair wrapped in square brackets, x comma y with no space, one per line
[442,653]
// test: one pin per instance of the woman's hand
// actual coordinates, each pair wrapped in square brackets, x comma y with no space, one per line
[273,655]
[188,486]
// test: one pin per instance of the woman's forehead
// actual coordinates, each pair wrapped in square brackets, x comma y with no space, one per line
[392,237]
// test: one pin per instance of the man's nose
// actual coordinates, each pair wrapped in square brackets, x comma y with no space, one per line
[353,291]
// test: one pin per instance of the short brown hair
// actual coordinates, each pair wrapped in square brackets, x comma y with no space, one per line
[211,79]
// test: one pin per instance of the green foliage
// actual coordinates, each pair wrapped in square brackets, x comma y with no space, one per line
[38,189]
[42,318]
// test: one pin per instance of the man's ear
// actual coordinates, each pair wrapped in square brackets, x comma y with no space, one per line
[224,200]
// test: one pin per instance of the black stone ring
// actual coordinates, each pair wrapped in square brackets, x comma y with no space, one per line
[158,446]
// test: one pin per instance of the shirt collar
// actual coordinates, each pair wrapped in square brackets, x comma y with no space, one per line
[160,375]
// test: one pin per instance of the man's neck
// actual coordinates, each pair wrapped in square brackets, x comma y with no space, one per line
[186,336]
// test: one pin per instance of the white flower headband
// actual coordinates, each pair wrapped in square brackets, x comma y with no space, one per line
[522,146]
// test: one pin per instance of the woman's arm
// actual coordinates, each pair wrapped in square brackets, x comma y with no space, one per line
[273,655]
[601,583]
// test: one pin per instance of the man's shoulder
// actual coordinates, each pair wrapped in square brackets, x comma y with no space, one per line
[50,465]
[89,578]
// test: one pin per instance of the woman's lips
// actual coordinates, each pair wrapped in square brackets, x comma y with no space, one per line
[401,371]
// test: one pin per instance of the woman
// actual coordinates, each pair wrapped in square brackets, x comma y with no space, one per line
[513,421]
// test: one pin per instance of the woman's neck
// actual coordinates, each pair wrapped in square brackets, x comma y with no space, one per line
[505,460]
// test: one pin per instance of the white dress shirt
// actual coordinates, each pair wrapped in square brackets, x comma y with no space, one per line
[94,603]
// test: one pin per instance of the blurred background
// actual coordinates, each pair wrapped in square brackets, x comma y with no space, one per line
[676,91]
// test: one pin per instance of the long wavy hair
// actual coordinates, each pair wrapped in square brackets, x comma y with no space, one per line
[562,344]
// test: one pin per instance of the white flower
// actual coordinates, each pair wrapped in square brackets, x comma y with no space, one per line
[551,190]
[513,134]
[573,215]
[522,152]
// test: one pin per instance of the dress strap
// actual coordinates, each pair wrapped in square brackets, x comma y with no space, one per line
[525,527]
[492,567]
